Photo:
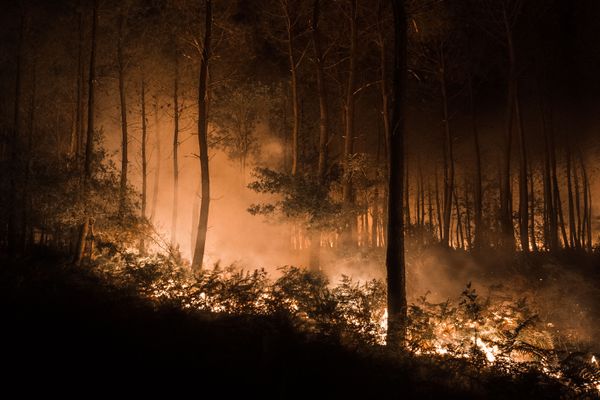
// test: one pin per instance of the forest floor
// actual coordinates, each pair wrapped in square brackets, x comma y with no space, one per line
[66,331]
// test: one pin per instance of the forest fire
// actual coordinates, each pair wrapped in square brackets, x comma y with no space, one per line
[305,170]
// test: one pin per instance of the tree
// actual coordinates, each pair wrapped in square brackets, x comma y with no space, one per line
[123,103]
[202,139]
[395,262]
[89,145]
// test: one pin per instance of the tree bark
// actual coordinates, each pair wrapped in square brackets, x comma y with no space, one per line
[14,144]
[449,153]
[294,85]
[479,231]
[156,182]
[122,98]
[348,239]
[395,261]
[175,203]
[203,140]
[89,145]
[315,241]
[144,161]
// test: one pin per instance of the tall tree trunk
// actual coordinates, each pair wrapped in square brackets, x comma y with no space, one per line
[76,140]
[468,232]
[203,140]
[293,84]
[448,153]
[348,239]
[144,162]
[523,187]
[395,261]
[577,208]
[572,232]
[315,235]
[438,207]
[156,183]
[587,207]
[89,144]
[534,245]
[479,231]
[506,223]
[175,203]
[27,206]
[122,97]
[550,214]
[14,144]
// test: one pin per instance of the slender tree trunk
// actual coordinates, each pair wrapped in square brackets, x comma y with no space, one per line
[448,151]
[438,207]
[348,239]
[587,208]
[315,235]
[76,141]
[89,144]
[293,84]
[124,135]
[144,162]
[550,214]
[506,223]
[468,232]
[395,262]
[533,240]
[577,208]
[407,220]
[479,231]
[28,162]
[175,203]
[156,182]
[203,140]
[572,232]
[523,187]
[14,144]
[459,231]
[556,194]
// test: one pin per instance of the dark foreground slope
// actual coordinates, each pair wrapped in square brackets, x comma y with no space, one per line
[64,329]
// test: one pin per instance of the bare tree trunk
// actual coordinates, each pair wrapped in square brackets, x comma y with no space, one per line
[26,203]
[448,153]
[156,182]
[294,85]
[175,203]
[479,231]
[124,135]
[572,232]
[587,208]
[523,189]
[468,232]
[348,238]
[533,241]
[144,162]
[577,209]
[315,235]
[407,220]
[203,140]
[395,262]
[438,207]
[14,144]
[76,141]
[459,231]
[89,144]
[506,223]
[550,215]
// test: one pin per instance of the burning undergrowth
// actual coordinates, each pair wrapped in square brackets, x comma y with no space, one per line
[496,333]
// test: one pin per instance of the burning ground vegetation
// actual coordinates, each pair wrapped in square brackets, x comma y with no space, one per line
[469,335]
